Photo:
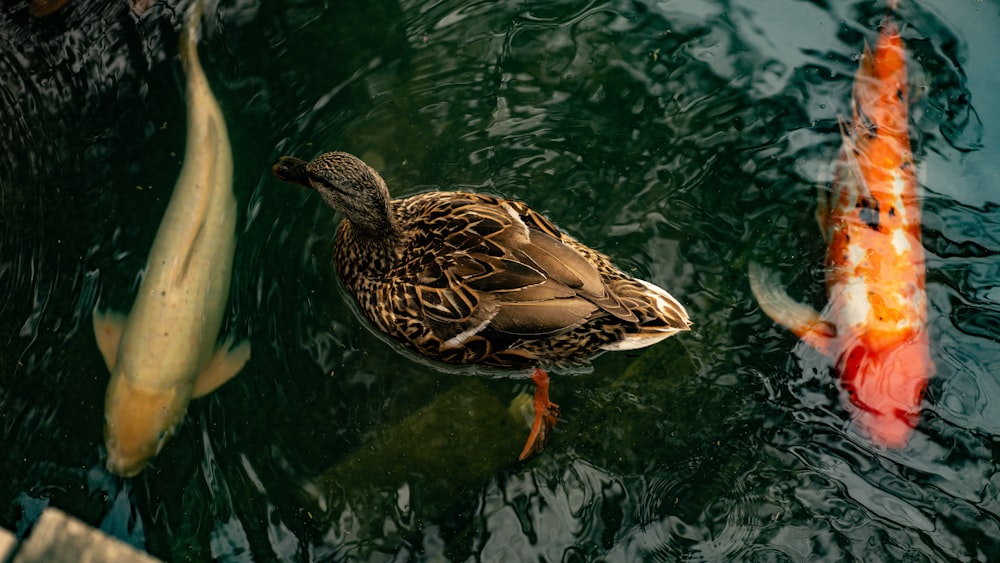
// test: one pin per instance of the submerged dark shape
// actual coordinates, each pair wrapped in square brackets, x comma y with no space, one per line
[467,278]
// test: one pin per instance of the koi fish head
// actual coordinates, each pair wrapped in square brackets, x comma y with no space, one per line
[137,424]
[887,387]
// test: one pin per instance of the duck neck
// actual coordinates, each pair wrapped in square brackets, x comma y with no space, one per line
[374,248]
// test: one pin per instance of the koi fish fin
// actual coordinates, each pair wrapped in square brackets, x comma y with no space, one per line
[108,328]
[823,211]
[804,321]
[193,245]
[866,91]
[224,364]
[849,174]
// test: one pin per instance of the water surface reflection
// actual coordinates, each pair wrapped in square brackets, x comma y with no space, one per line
[683,139]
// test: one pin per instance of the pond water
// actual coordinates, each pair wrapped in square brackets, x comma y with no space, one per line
[684,139]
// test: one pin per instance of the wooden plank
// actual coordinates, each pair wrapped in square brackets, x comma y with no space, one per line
[60,538]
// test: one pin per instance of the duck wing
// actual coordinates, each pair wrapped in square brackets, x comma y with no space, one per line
[500,268]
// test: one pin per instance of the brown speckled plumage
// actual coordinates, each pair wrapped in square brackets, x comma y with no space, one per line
[469,278]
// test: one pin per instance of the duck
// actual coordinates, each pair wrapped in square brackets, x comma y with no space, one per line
[471,278]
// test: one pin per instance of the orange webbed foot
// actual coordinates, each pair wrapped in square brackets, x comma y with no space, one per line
[546,416]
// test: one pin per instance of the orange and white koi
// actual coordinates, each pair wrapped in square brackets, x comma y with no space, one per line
[874,324]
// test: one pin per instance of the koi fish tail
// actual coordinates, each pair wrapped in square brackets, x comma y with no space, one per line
[191,33]
[804,321]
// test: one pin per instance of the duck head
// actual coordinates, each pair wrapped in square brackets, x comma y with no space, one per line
[346,183]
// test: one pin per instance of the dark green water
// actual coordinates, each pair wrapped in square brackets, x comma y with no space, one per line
[681,138]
